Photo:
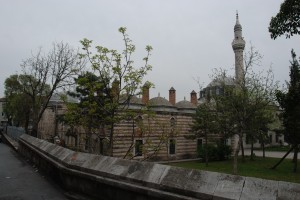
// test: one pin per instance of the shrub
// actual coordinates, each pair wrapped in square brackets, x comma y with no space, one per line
[217,152]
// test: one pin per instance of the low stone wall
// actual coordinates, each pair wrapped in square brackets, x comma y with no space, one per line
[102,177]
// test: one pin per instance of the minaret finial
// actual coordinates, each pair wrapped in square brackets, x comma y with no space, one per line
[237,17]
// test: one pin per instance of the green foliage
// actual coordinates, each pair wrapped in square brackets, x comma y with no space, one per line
[106,93]
[215,153]
[287,20]
[20,104]
[210,150]
[205,120]
[244,103]
[290,103]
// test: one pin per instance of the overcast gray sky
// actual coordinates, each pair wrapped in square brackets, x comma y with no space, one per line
[189,37]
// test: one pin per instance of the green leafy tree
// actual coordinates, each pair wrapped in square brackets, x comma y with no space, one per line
[13,92]
[118,76]
[88,112]
[287,20]
[19,104]
[289,101]
[242,103]
[258,126]
[205,123]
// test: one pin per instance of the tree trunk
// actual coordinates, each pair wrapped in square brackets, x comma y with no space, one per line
[287,153]
[34,130]
[235,157]
[206,150]
[263,148]
[296,149]
[111,140]
[26,124]
[252,154]
[89,143]
[242,148]
[294,157]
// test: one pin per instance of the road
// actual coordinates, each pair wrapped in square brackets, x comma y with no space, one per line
[21,181]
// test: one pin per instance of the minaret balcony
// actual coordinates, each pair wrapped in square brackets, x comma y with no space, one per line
[238,44]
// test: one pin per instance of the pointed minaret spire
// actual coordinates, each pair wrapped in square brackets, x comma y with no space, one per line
[237,18]
[238,46]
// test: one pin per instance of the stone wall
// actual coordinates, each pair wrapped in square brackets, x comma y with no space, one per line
[108,178]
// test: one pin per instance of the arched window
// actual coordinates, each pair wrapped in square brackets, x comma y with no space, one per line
[172,146]
[172,124]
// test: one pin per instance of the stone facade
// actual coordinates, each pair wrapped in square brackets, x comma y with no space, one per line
[158,133]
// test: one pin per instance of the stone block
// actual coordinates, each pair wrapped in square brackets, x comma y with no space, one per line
[255,188]
[229,187]
[288,191]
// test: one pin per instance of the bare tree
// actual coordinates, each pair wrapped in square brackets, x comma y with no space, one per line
[47,74]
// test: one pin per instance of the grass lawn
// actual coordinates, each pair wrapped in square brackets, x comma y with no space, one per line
[258,168]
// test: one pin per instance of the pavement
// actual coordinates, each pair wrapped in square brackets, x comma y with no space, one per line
[21,181]
[272,154]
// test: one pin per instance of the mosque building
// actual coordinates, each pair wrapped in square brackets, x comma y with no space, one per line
[163,133]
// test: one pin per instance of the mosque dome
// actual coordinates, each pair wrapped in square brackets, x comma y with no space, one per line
[221,82]
[135,103]
[185,105]
[133,99]
[159,101]
[136,100]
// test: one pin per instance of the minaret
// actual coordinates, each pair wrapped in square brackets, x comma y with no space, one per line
[238,46]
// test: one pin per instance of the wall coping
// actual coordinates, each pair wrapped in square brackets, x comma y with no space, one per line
[157,179]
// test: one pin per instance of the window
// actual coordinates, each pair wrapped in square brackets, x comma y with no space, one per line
[138,147]
[217,91]
[199,144]
[270,138]
[172,145]
[172,124]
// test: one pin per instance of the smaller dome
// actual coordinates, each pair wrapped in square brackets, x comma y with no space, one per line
[221,81]
[159,101]
[58,98]
[133,99]
[136,100]
[185,104]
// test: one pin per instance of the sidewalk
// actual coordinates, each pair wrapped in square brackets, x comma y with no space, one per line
[20,181]
[272,154]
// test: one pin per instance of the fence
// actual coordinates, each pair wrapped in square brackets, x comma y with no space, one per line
[15,132]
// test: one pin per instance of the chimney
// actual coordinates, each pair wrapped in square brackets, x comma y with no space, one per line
[194,98]
[145,97]
[172,96]
[115,90]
